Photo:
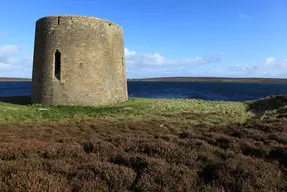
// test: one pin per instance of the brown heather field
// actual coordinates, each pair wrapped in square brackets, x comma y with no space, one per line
[145,145]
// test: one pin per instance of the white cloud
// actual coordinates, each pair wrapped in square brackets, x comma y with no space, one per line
[129,53]
[269,68]
[140,65]
[275,69]
[7,52]
[270,60]
[284,63]
[4,66]
[15,61]
[133,59]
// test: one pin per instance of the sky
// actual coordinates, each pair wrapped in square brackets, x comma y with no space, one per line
[196,38]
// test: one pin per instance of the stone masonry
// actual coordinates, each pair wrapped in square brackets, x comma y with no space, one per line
[78,60]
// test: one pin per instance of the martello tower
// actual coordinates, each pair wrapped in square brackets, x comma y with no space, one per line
[78,60]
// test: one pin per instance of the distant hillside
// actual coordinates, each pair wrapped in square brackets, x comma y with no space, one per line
[211,79]
[183,79]
[14,79]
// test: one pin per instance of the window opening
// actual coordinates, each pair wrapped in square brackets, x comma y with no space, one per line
[57,67]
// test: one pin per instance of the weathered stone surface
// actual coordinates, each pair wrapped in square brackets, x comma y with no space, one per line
[91,58]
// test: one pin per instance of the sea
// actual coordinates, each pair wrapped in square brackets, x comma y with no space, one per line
[215,91]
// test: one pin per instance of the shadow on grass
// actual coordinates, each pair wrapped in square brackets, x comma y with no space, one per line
[267,104]
[20,100]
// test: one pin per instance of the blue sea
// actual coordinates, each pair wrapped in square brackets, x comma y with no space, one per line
[221,91]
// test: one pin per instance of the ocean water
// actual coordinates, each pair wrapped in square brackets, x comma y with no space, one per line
[222,91]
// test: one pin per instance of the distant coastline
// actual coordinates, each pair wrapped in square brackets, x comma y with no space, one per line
[210,79]
[178,79]
[11,79]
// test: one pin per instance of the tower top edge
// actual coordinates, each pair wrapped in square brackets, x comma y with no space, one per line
[78,16]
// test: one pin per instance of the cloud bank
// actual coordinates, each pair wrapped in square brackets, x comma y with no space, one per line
[269,67]
[16,61]
[144,60]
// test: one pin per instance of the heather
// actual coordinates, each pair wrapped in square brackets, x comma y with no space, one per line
[145,145]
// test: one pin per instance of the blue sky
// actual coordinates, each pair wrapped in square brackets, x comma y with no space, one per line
[219,38]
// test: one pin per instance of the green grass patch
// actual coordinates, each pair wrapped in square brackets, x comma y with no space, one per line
[134,109]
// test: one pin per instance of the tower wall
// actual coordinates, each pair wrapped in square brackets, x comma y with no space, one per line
[92,62]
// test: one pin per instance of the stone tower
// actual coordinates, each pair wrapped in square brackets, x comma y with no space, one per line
[78,60]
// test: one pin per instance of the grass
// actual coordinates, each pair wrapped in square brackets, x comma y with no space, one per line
[133,109]
[145,145]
